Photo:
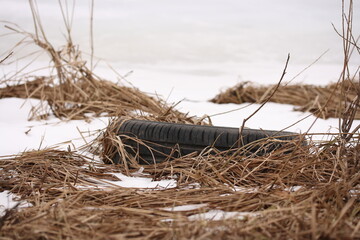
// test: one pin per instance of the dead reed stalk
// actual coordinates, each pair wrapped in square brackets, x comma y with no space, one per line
[6,57]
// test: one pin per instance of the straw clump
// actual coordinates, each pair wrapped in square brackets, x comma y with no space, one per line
[88,97]
[307,195]
[322,101]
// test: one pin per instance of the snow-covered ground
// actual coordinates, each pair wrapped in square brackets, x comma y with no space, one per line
[183,50]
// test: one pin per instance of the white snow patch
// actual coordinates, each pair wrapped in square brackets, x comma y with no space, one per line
[293,188]
[246,189]
[18,134]
[7,201]
[216,215]
[355,192]
[142,182]
[188,207]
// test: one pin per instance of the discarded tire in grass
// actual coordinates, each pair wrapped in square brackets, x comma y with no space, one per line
[153,142]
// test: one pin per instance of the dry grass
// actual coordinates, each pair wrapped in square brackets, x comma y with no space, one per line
[61,186]
[322,101]
[75,92]
[90,96]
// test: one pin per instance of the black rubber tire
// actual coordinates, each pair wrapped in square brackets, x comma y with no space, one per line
[168,140]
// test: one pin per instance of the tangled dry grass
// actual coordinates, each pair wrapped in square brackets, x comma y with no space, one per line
[313,193]
[322,101]
[76,92]
[295,192]
[89,96]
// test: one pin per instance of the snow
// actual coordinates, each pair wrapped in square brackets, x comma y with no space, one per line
[142,182]
[188,207]
[217,215]
[8,201]
[19,134]
[213,215]
[184,51]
